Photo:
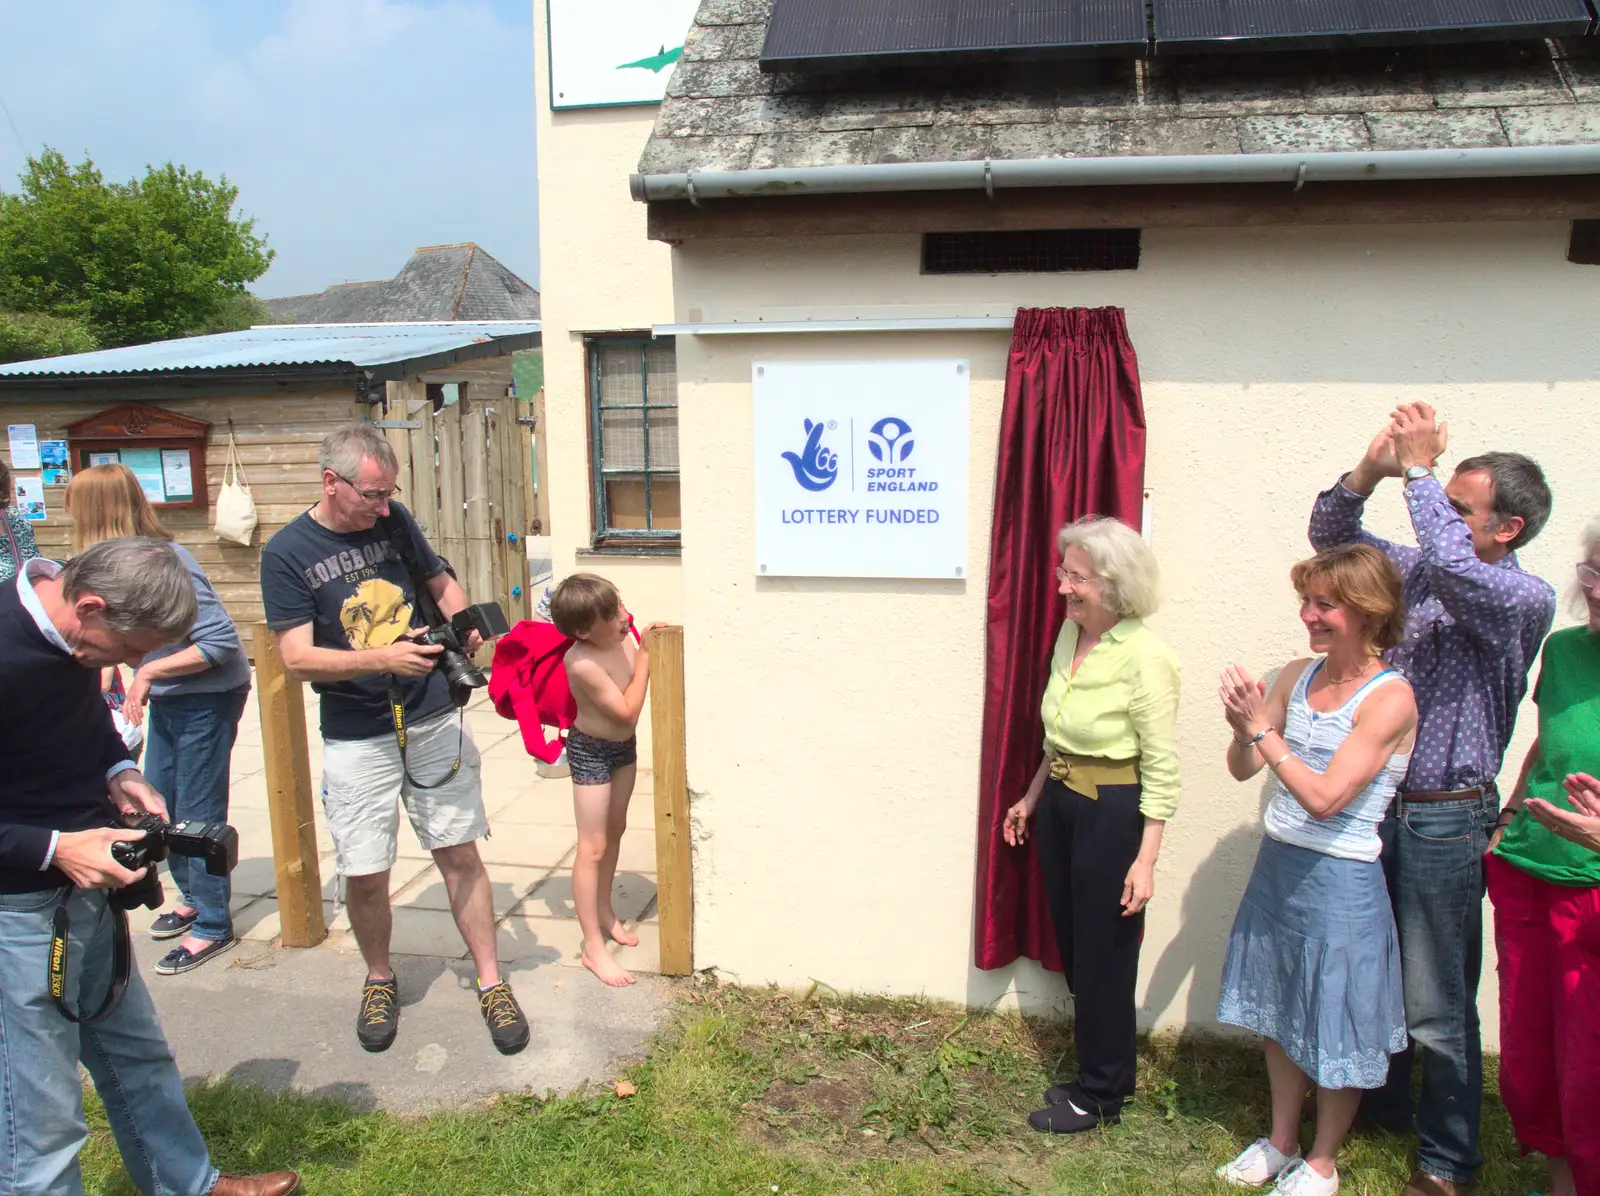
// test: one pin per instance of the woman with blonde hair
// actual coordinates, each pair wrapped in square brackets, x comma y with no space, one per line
[196,689]
[1099,802]
[1313,962]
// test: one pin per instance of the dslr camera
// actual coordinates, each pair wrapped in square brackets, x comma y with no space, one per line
[489,621]
[214,842]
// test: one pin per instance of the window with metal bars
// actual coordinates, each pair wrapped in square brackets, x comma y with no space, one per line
[633,441]
[1031,251]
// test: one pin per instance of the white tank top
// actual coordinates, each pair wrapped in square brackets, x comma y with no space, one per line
[1352,833]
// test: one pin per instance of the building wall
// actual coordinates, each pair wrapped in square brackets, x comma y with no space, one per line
[834,725]
[597,273]
[278,437]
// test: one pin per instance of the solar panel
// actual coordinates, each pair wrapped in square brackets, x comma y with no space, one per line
[845,33]
[1225,24]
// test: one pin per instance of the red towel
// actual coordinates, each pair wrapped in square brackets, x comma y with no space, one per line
[528,683]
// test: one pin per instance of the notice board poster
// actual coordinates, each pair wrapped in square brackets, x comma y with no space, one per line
[861,468]
[607,52]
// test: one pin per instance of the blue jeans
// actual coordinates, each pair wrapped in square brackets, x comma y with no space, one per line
[190,743]
[42,1128]
[1433,861]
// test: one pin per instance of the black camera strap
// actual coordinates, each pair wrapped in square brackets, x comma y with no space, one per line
[400,541]
[121,964]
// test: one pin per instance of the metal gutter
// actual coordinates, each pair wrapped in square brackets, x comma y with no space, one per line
[992,175]
[780,327]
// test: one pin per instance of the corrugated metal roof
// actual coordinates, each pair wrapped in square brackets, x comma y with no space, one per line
[357,345]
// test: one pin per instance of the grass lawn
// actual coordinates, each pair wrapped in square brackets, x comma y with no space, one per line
[762,1092]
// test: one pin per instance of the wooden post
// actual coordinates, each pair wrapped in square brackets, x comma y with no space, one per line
[674,871]
[423,497]
[294,820]
[451,538]
[539,470]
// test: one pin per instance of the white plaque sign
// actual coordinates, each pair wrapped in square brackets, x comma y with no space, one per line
[605,52]
[861,468]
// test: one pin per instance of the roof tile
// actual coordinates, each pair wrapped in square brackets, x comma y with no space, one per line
[1168,138]
[1309,134]
[1456,128]
[1571,125]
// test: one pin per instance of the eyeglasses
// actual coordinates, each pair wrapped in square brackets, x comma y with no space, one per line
[1588,576]
[1076,579]
[369,495]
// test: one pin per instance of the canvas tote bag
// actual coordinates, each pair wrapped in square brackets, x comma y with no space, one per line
[236,509]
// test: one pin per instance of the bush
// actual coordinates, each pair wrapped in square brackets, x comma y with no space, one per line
[29,337]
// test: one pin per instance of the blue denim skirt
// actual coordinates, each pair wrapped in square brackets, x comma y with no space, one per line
[1314,964]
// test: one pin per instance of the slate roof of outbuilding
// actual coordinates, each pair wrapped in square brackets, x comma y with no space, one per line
[723,113]
[440,282]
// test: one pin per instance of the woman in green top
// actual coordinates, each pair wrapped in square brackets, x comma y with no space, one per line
[1544,880]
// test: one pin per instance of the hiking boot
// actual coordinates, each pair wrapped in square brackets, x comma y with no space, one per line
[508,1026]
[379,1019]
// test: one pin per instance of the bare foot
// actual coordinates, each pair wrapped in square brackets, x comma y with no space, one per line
[621,934]
[607,969]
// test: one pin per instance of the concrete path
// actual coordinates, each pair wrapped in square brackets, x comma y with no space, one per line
[285,1018]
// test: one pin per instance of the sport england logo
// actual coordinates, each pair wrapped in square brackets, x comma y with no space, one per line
[815,467]
[890,440]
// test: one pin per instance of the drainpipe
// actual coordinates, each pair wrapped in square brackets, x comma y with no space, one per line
[991,175]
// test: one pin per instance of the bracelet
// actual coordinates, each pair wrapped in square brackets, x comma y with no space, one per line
[1280,762]
[1508,816]
[1253,740]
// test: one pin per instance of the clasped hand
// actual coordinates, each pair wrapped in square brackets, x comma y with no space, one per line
[1581,824]
[1244,702]
[1414,436]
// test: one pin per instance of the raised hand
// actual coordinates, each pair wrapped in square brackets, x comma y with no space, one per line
[1419,438]
[1244,701]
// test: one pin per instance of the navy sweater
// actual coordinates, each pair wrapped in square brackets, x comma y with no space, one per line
[58,743]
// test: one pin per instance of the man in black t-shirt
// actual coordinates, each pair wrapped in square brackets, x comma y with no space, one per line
[343,604]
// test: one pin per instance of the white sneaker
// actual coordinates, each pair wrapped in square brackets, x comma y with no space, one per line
[1297,1179]
[1260,1163]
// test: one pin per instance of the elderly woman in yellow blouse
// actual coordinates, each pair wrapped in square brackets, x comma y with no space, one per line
[1099,801]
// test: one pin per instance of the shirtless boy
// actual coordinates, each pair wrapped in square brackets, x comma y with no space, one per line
[608,674]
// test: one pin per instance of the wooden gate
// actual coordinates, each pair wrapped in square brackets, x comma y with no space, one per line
[463,473]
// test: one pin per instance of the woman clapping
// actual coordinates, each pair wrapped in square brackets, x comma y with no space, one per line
[1313,963]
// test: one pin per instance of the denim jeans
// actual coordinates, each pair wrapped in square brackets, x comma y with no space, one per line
[42,1127]
[1433,861]
[190,743]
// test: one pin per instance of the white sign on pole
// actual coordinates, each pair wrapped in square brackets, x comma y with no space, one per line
[861,468]
[605,52]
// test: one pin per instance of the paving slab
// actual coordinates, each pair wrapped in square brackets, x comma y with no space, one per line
[285,1019]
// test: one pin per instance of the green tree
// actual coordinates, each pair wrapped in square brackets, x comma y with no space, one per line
[149,259]
[29,337]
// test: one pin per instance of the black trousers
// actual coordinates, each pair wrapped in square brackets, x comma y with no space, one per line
[1085,850]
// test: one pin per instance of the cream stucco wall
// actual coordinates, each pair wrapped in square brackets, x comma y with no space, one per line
[834,725]
[597,273]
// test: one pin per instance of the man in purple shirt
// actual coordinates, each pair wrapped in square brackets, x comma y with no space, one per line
[1474,623]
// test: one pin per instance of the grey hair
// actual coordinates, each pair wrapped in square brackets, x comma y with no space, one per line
[143,582]
[1130,578]
[1591,544]
[344,448]
[1519,489]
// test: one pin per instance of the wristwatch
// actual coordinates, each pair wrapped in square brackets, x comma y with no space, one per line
[1417,473]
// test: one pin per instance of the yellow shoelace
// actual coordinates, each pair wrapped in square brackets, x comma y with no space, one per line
[379,1003]
[499,1006]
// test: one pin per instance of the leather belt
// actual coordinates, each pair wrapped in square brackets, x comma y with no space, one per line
[1085,774]
[1433,795]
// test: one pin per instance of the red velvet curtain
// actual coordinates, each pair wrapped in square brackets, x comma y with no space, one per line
[1071,444]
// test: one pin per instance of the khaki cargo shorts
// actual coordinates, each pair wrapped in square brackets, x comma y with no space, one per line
[364,785]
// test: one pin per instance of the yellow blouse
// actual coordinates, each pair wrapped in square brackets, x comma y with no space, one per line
[1121,705]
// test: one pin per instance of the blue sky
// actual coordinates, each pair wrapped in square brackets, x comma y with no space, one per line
[355,130]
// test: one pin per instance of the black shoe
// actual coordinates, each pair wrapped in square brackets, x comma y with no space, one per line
[508,1026]
[181,959]
[171,926]
[1065,1119]
[379,1019]
[1057,1094]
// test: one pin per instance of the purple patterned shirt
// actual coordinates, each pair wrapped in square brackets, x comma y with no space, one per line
[1472,633]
